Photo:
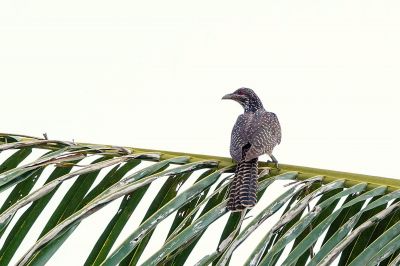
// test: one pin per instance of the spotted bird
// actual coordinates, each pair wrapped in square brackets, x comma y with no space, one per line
[256,132]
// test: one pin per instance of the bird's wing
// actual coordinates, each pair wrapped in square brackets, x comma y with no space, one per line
[264,134]
[277,131]
[239,138]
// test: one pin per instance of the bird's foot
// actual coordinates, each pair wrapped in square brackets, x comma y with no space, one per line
[275,163]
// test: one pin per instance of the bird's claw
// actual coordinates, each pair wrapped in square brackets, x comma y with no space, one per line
[276,164]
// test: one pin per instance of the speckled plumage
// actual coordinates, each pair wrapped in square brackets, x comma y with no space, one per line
[256,132]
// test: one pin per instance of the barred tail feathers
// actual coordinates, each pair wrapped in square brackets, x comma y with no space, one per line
[242,193]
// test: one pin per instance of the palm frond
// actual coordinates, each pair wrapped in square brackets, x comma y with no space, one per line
[318,217]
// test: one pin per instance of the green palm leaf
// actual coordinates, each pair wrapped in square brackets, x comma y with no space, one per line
[316,216]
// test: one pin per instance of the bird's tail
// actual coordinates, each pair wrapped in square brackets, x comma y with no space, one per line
[242,193]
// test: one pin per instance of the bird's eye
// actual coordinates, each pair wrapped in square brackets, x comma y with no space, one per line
[240,92]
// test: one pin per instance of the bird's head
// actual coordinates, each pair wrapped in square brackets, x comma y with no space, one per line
[247,98]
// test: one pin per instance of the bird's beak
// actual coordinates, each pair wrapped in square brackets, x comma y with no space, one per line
[235,97]
[229,96]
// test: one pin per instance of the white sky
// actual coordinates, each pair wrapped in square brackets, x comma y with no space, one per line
[151,74]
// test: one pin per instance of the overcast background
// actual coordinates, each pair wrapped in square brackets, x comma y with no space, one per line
[151,74]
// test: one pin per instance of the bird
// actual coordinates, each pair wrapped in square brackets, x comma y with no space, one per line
[255,133]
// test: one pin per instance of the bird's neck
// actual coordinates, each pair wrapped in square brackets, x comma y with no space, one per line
[253,106]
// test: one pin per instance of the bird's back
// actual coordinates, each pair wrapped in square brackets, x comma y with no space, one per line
[261,130]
